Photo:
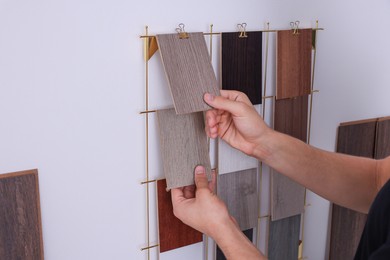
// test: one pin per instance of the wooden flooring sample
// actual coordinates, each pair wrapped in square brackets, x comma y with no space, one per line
[172,232]
[293,63]
[189,71]
[287,196]
[284,238]
[183,144]
[248,233]
[239,191]
[354,138]
[382,143]
[242,64]
[232,160]
[20,216]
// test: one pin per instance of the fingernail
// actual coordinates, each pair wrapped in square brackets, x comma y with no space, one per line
[199,169]
[208,97]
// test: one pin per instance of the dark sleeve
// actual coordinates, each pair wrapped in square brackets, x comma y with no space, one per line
[382,253]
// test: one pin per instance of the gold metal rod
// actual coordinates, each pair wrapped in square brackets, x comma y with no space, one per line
[265,70]
[145,182]
[308,136]
[219,33]
[147,112]
[211,42]
[268,97]
[265,216]
[149,247]
[147,140]
[315,91]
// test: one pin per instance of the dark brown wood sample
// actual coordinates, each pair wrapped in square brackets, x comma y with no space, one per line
[287,196]
[284,238]
[189,71]
[382,143]
[293,63]
[239,191]
[242,64]
[20,216]
[248,233]
[183,146]
[172,232]
[354,138]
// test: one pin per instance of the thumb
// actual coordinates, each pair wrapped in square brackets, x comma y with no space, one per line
[227,104]
[200,177]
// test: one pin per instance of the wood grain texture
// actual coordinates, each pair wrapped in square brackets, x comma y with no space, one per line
[172,232]
[20,217]
[189,71]
[284,238]
[242,64]
[248,233]
[382,143]
[293,63]
[287,196]
[232,160]
[354,138]
[183,145]
[239,191]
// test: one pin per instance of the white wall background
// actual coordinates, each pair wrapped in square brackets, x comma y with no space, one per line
[72,84]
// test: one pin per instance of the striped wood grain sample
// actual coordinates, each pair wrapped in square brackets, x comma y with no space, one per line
[20,216]
[248,233]
[189,71]
[354,138]
[287,196]
[284,238]
[183,144]
[239,191]
[382,143]
[293,63]
[172,232]
[242,64]
[232,160]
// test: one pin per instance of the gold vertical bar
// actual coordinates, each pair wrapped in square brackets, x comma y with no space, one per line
[147,139]
[263,114]
[308,140]
[265,69]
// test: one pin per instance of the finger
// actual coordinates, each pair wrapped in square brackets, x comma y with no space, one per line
[201,181]
[236,96]
[213,181]
[189,192]
[177,196]
[231,104]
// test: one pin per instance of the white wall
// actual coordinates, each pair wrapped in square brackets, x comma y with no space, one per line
[72,84]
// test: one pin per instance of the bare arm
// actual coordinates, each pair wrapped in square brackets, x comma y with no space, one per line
[350,181]
[201,209]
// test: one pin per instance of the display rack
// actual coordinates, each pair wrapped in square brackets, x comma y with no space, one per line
[150,48]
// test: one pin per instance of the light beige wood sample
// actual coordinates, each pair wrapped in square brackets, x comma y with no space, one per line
[183,146]
[239,191]
[188,69]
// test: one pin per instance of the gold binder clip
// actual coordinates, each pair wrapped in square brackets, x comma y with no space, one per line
[295,27]
[242,28]
[182,33]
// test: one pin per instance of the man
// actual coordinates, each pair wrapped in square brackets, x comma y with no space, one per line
[352,182]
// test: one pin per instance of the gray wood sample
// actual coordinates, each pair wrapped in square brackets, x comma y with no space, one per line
[287,196]
[183,145]
[283,241]
[382,143]
[189,71]
[354,138]
[239,191]
[232,160]
[20,216]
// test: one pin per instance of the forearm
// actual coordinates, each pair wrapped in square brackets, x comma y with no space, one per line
[235,245]
[346,180]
